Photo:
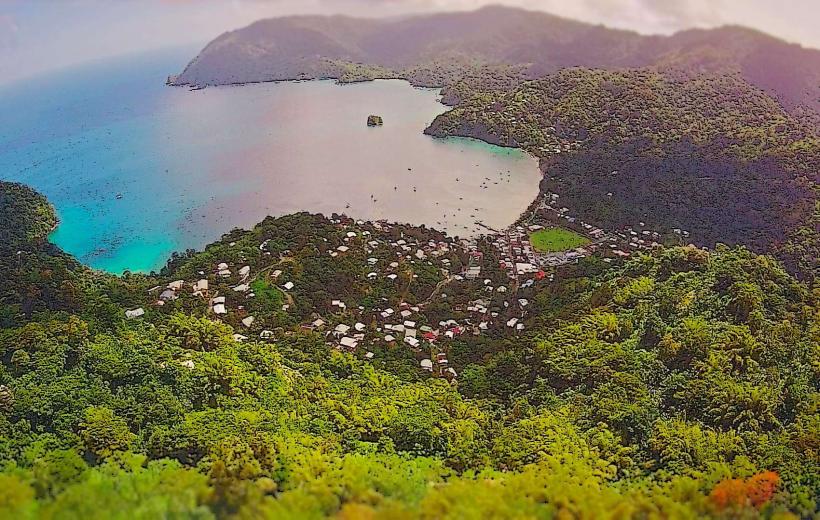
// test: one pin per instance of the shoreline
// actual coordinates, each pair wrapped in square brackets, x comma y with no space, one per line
[337,80]
[454,234]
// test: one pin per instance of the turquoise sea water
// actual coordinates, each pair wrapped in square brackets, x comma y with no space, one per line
[191,165]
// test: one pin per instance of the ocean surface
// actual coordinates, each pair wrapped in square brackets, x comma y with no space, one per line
[137,169]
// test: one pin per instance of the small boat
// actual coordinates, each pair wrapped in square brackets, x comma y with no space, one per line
[119,196]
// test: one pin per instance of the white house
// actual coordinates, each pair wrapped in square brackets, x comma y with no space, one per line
[136,313]
[341,328]
[201,286]
[349,342]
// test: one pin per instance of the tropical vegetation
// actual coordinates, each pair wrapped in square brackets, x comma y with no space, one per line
[678,384]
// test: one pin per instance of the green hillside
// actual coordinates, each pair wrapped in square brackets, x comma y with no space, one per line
[708,153]
[681,384]
[27,216]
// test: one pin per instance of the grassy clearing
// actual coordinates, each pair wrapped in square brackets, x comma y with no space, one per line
[268,297]
[551,240]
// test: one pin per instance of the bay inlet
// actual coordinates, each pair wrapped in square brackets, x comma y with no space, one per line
[137,170]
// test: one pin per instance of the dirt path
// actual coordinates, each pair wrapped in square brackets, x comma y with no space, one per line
[288,296]
[437,289]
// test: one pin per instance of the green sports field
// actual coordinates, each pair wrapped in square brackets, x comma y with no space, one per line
[551,240]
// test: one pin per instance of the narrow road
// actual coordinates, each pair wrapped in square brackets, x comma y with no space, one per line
[438,288]
[288,296]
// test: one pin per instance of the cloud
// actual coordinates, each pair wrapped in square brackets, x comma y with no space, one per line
[692,13]
[8,32]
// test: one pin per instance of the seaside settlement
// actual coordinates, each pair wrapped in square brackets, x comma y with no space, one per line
[385,292]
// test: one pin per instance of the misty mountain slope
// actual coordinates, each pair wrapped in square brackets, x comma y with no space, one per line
[456,44]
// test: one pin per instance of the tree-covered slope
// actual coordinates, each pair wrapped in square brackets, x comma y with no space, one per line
[27,217]
[706,153]
[37,276]
[440,49]
[679,384]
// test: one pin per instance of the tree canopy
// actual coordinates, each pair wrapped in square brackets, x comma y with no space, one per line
[681,383]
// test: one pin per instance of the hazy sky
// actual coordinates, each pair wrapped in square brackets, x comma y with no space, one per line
[38,35]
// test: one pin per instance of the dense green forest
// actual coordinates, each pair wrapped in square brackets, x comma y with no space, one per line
[708,153]
[677,384]
[19,204]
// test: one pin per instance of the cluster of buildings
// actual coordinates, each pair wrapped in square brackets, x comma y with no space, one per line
[520,258]
[404,326]
[392,256]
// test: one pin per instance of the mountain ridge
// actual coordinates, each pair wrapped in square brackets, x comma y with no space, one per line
[312,47]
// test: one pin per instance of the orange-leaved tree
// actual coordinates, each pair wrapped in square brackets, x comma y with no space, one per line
[755,491]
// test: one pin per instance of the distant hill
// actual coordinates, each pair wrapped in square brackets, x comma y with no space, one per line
[438,49]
